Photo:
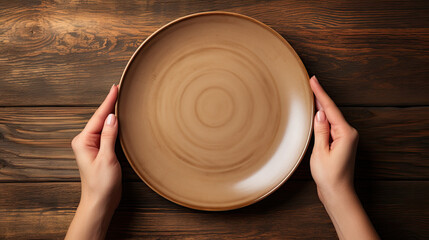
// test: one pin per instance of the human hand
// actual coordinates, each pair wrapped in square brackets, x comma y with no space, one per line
[100,172]
[94,149]
[335,141]
[332,167]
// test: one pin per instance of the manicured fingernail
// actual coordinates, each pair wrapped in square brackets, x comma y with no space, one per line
[315,78]
[320,116]
[111,119]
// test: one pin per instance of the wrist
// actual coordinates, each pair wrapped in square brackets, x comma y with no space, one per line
[334,195]
[97,206]
[347,214]
[90,221]
[96,213]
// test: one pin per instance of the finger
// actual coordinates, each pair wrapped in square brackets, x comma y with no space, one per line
[333,114]
[82,150]
[95,124]
[108,135]
[321,132]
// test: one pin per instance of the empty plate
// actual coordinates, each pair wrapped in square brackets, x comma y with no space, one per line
[215,111]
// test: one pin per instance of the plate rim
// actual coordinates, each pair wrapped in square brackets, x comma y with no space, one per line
[309,134]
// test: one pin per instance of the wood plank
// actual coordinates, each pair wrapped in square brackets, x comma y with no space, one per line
[365,53]
[35,143]
[391,141]
[398,209]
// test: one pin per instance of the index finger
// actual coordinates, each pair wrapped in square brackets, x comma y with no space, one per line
[334,115]
[96,123]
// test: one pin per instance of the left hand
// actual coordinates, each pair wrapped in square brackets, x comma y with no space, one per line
[94,149]
[100,173]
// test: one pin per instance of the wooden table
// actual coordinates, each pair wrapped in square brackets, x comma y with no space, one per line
[58,60]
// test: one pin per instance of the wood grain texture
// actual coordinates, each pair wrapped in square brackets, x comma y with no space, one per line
[44,210]
[35,143]
[59,58]
[69,53]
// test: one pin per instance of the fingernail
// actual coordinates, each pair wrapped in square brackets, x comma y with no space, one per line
[320,116]
[315,78]
[111,119]
[112,87]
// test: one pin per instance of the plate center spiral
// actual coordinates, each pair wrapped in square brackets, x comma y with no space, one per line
[214,107]
[217,108]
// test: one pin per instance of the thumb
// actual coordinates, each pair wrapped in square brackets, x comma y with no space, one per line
[108,134]
[321,132]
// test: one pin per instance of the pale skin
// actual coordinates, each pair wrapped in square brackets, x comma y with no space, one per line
[332,167]
[100,173]
[331,163]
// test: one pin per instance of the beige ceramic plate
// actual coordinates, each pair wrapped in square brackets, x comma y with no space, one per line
[215,111]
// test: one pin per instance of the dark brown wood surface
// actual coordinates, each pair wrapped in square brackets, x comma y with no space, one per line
[59,58]
[293,211]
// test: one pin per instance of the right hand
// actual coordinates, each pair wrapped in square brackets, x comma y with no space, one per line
[335,142]
[332,167]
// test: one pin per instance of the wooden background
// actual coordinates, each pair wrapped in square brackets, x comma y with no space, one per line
[59,58]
